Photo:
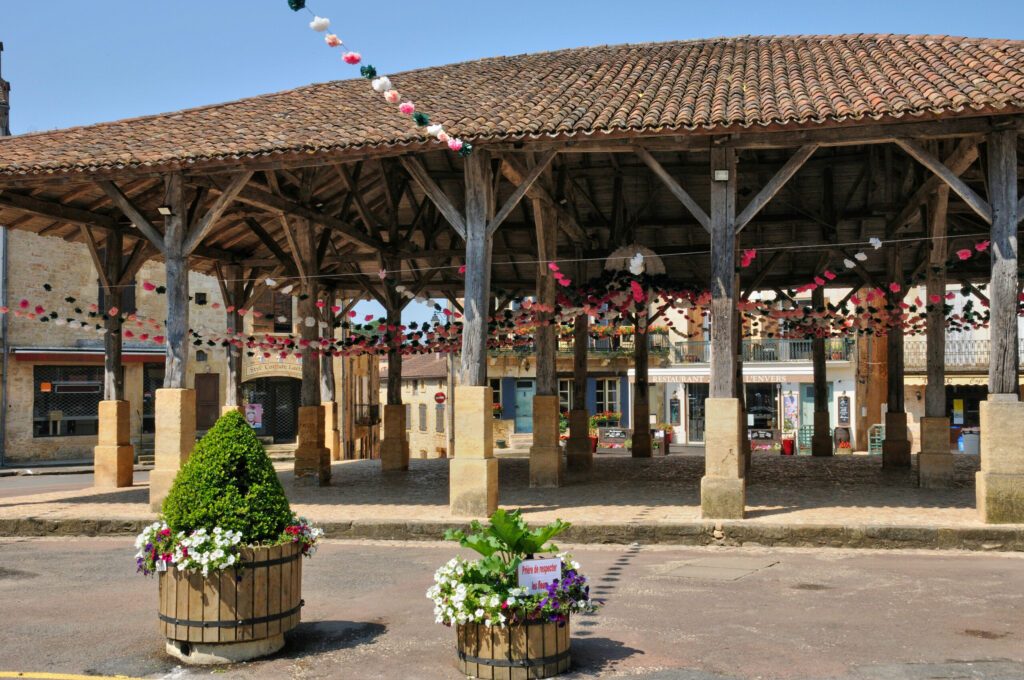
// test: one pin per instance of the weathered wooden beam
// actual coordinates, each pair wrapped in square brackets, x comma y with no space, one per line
[479,188]
[350,180]
[510,204]
[199,230]
[1002,190]
[674,187]
[266,239]
[414,166]
[774,185]
[176,266]
[976,202]
[137,218]
[515,171]
[935,286]
[723,274]
[57,211]
[963,157]
[97,259]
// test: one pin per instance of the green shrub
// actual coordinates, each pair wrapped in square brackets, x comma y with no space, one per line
[229,482]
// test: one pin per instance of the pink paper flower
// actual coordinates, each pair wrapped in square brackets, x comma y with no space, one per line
[352,314]
[552,266]
[934,298]
[369,317]
[462,269]
[332,40]
[963,253]
[828,275]
[320,304]
[982,246]
[818,281]
[894,287]
[392,96]
[455,144]
[148,286]
[443,137]
[565,282]
[352,57]
[407,108]
[23,304]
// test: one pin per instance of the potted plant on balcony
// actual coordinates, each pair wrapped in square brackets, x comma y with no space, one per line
[510,609]
[496,410]
[227,550]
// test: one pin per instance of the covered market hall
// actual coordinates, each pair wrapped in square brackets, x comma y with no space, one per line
[737,181]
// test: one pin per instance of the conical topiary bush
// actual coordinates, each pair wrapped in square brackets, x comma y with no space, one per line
[229,482]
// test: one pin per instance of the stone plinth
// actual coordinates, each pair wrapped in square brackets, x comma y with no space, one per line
[312,458]
[723,488]
[113,455]
[896,447]
[935,462]
[175,420]
[545,454]
[394,448]
[578,452]
[473,472]
[332,434]
[1000,483]
[821,441]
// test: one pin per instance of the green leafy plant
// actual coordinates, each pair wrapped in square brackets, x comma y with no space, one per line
[507,540]
[229,482]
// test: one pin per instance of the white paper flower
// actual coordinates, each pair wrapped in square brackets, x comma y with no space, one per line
[381,84]
[270,282]
[310,322]
[434,130]
[636,264]
[849,264]
[320,24]
[875,242]
[287,289]
[860,257]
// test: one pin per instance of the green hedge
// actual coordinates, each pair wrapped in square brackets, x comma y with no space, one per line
[229,482]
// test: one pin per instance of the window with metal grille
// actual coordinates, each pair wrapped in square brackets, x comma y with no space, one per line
[152,380]
[423,417]
[66,400]
[439,418]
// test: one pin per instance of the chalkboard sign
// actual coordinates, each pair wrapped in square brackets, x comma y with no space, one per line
[612,437]
[844,411]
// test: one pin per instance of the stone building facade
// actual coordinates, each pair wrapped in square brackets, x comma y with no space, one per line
[424,377]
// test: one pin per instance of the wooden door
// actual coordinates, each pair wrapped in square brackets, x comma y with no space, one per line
[207,400]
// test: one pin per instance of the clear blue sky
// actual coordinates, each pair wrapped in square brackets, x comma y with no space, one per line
[73,62]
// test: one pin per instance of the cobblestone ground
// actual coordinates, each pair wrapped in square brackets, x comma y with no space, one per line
[840,490]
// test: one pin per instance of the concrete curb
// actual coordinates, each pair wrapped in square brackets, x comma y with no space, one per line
[71,470]
[1009,538]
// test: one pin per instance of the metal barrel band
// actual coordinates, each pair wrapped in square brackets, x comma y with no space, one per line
[233,624]
[271,563]
[514,663]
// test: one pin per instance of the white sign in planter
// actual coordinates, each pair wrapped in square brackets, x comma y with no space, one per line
[537,575]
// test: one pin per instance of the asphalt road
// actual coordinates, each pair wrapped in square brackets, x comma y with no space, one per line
[76,606]
[26,485]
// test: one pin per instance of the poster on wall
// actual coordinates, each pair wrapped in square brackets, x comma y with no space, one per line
[254,415]
[958,411]
[844,411]
[790,417]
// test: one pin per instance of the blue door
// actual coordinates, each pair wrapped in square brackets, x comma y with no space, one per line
[525,389]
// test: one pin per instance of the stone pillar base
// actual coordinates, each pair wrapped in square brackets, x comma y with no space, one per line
[1000,483]
[935,462]
[723,489]
[545,454]
[722,498]
[821,442]
[175,416]
[394,448]
[312,458]
[113,456]
[896,447]
[578,453]
[642,443]
[473,486]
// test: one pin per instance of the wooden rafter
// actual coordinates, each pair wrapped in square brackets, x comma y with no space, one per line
[675,188]
[779,180]
[199,230]
[972,199]
[140,221]
[414,166]
[523,187]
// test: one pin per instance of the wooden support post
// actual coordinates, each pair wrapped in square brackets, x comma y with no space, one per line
[473,472]
[896,447]
[1000,483]
[821,440]
[546,452]
[232,286]
[641,387]
[328,389]
[579,452]
[394,448]
[312,457]
[746,449]
[723,492]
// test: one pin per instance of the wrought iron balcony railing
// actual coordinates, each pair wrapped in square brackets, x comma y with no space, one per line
[767,350]
[961,354]
[366,414]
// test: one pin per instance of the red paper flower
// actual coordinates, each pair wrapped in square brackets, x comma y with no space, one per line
[963,253]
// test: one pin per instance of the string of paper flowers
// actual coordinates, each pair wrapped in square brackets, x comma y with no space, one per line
[382,84]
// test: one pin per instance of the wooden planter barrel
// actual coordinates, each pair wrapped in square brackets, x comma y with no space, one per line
[261,599]
[519,652]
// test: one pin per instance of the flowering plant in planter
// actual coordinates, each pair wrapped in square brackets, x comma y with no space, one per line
[487,590]
[496,409]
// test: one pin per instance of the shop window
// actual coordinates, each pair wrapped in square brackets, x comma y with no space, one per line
[423,417]
[607,395]
[66,400]
[565,394]
[439,418]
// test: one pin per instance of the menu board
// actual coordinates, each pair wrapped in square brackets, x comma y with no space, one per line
[612,437]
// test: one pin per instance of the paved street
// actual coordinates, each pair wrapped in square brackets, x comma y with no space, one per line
[76,606]
[27,485]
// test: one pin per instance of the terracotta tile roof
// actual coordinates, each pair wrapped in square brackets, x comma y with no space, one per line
[722,82]
[419,367]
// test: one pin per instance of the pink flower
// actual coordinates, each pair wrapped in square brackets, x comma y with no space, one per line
[934,298]
[352,57]
[982,246]
[158,339]
[392,96]
[564,281]
[23,304]
[443,137]
[455,144]
[963,253]
[828,275]
[462,269]
[332,40]
[39,309]
[369,317]
[407,108]
[320,304]
[552,266]
[894,287]
[352,314]
[112,311]
[335,308]
[148,286]
[818,281]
